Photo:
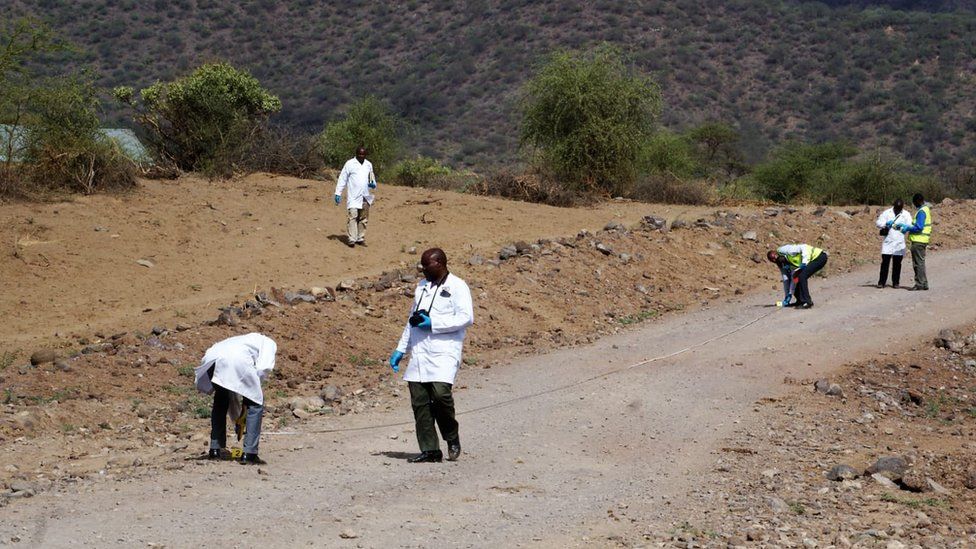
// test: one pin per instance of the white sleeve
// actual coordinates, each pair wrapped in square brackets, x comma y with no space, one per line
[341,183]
[462,315]
[790,249]
[882,220]
[265,361]
[404,342]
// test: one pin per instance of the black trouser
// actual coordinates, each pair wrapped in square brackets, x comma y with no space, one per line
[895,261]
[433,402]
[802,292]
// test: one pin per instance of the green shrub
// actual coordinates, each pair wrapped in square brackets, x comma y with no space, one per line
[205,121]
[417,172]
[588,117]
[664,188]
[368,123]
[668,153]
[787,175]
[59,146]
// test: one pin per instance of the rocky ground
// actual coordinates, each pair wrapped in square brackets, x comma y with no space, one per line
[114,403]
[886,442]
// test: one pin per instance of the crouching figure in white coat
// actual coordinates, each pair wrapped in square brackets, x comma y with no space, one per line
[434,336]
[232,367]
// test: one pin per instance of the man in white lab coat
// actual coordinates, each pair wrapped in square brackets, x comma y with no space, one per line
[356,178]
[434,336]
[893,246]
[237,366]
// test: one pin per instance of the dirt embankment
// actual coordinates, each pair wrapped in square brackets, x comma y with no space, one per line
[127,398]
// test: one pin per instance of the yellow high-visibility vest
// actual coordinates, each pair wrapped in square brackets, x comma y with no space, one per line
[926,235]
[797,259]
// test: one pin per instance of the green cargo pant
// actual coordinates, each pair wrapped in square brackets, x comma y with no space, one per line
[433,402]
[918,264]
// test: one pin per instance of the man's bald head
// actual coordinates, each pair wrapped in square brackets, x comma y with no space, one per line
[434,264]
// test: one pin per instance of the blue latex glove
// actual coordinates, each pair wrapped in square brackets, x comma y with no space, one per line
[425,323]
[902,227]
[371,185]
[786,299]
[890,223]
[338,199]
[395,359]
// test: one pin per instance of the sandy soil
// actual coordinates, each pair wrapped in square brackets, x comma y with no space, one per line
[73,265]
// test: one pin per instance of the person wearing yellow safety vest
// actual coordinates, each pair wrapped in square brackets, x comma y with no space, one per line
[804,261]
[919,234]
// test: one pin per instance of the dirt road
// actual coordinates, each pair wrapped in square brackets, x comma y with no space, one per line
[589,465]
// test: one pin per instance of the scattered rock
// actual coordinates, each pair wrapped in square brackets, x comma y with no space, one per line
[777,505]
[293,298]
[265,300]
[821,386]
[62,366]
[146,263]
[604,249]
[756,258]
[948,201]
[522,248]
[348,534]
[969,479]
[820,211]
[884,481]
[950,340]
[158,330]
[772,212]
[937,488]
[181,327]
[653,223]
[330,394]
[842,214]
[614,226]
[306,403]
[43,356]
[892,467]
[97,348]
[300,413]
[750,235]
[476,260]
[347,285]
[678,224]
[842,472]
[835,390]
[507,252]
[914,482]
[226,318]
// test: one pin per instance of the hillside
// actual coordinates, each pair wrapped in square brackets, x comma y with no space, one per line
[874,75]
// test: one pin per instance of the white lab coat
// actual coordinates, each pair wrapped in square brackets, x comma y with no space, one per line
[894,243]
[435,354]
[355,179]
[240,364]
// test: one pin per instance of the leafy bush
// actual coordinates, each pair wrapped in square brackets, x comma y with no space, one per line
[787,176]
[667,153]
[833,173]
[368,123]
[417,172]
[205,121]
[588,116]
[55,143]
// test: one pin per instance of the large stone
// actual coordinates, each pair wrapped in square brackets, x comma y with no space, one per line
[777,505]
[614,226]
[842,472]
[892,467]
[604,249]
[347,285]
[306,403]
[884,481]
[507,252]
[750,235]
[951,340]
[522,247]
[969,479]
[226,318]
[330,394]
[821,386]
[43,356]
[265,300]
[653,223]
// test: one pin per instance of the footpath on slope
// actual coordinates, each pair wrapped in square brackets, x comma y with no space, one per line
[600,464]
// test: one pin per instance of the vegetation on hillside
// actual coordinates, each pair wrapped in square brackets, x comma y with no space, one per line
[775,71]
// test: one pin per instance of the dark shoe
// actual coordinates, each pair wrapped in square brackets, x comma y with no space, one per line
[453,450]
[915,289]
[351,244]
[896,287]
[433,456]
[880,286]
[807,305]
[362,243]
[214,453]
[252,459]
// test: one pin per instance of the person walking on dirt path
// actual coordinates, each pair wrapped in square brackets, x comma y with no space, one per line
[893,244]
[232,369]
[356,178]
[919,234]
[434,336]
[804,261]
